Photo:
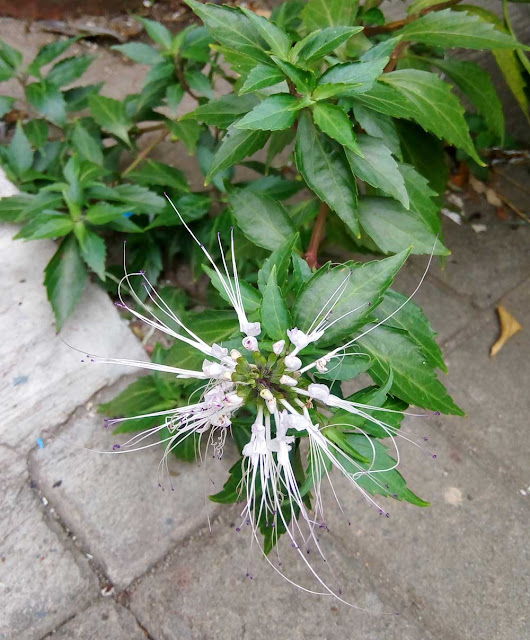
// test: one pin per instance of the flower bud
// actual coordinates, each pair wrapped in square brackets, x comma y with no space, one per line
[290,382]
[277,347]
[292,363]
[266,394]
[322,365]
[319,392]
[235,354]
[250,343]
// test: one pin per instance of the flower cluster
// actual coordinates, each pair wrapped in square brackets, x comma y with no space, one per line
[267,389]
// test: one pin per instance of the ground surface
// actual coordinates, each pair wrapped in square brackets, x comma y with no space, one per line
[92,549]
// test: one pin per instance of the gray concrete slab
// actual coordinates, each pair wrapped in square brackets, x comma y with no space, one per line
[42,582]
[202,592]
[113,502]
[493,392]
[105,619]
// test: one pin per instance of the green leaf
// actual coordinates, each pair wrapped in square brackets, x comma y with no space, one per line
[37,132]
[48,100]
[9,57]
[65,280]
[213,326]
[139,52]
[200,83]
[174,95]
[157,32]
[250,296]
[49,52]
[188,132]
[378,125]
[375,165]
[275,112]
[276,38]
[278,141]
[223,111]
[232,490]
[380,482]
[325,170]
[449,28]
[345,367]
[411,319]
[326,91]
[421,197]
[68,70]
[48,224]
[6,104]
[111,115]
[86,145]
[77,97]
[19,152]
[319,43]
[152,172]
[231,28]
[275,316]
[362,286]
[414,380]
[280,259]
[262,220]
[138,398]
[333,120]
[140,199]
[236,145]
[24,206]
[433,106]
[304,80]
[94,252]
[476,83]
[103,212]
[324,13]
[394,228]
[260,77]
[362,74]
[196,45]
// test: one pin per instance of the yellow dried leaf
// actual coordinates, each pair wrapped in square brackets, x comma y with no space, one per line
[509,327]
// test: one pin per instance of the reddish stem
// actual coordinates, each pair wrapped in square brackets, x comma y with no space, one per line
[311,257]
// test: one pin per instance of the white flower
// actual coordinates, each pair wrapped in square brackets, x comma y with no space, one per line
[290,382]
[277,347]
[319,391]
[292,363]
[250,343]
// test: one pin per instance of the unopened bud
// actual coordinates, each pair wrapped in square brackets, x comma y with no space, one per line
[290,382]
[250,343]
[277,347]
[266,394]
[292,363]
[235,354]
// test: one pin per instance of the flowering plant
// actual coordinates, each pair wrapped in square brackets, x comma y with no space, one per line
[274,386]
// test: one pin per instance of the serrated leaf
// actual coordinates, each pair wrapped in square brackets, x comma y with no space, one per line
[86,145]
[223,111]
[213,326]
[48,100]
[421,197]
[94,252]
[279,258]
[250,296]
[157,32]
[231,28]
[382,482]
[318,44]
[260,77]
[274,113]
[324,13]
[476,83]
[278,41]
[262,220]
[303,80]
[49,52]
[378,125]
[188,132]
[111,115]
[333,120]
[140,199]
[65,280]
[19,152]
[362,289]
[103,212]
[433,106]
[196,45]
[374,164]
[152,172]
[236,145]
[6,104]
[326,91]
[139,52]
[275,317]
[232,489]
[68,70]
[324,168]
[10,56]
[394,228]
[414,380]
[411,319]
[362,74]
[448,28]
[24,206]
[77,97]
[37,132]
[345,368]
[48,224]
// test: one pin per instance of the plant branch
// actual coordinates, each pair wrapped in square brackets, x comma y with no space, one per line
[311,257]
[182,79]
[144,153]
[398,24]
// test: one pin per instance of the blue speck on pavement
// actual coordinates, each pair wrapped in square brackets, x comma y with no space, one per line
[40,442]
[20,380]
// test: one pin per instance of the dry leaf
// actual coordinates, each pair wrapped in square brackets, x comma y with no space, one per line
[493,198]
[509,327]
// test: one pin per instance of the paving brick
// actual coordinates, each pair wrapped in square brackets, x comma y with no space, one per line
[113,502]
[492,391]
[106,619]
[42,582]
[201,592]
